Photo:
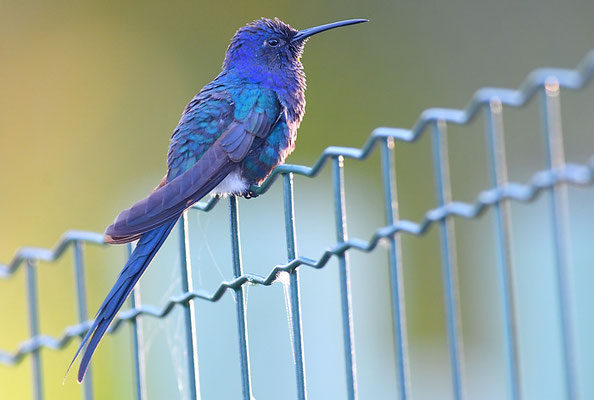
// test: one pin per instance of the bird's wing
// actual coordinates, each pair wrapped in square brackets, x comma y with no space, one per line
[168,201]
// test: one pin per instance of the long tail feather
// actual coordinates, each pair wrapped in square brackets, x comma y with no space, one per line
[147,247]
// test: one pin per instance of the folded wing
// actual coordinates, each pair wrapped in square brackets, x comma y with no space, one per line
[171,199]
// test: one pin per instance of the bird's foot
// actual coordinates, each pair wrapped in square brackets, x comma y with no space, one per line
[250,194]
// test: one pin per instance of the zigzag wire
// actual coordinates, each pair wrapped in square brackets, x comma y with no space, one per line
[48,255]
[579,175]
[570,173]
[566,78]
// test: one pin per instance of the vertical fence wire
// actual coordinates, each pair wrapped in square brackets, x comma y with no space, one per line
[498,167]
[396,272]
[189,308]
[137,341]
[82,308]
[557,182]
[448,258]
[345,278]
[244,357]
[33,299]
[294,287]
[555,154]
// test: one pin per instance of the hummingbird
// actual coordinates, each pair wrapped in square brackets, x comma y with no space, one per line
[231,136]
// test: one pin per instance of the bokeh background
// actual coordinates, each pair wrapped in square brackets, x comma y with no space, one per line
[91,91]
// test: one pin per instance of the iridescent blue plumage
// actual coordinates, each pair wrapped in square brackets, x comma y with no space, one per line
[230,136]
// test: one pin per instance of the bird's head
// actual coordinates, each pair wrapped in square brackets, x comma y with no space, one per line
[269,47]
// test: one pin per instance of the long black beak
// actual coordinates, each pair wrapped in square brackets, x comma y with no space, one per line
[301,35]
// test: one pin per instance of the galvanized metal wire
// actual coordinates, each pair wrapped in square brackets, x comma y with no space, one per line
[545,83]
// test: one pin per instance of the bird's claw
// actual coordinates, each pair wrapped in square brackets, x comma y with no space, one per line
[250,194]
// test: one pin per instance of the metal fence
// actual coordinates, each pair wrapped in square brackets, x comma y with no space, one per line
[544,84]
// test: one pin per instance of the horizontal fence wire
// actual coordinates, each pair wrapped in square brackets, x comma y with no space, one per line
[554,180]
[574,174]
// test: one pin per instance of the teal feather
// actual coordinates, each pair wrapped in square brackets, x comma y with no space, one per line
[244,122]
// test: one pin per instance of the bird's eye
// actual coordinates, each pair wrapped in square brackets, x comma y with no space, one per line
[273,42]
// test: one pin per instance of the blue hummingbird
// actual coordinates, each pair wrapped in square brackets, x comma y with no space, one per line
[230,136]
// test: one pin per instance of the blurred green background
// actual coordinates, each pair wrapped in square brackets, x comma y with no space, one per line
[90,93]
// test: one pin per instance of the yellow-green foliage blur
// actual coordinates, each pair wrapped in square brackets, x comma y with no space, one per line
[91,91]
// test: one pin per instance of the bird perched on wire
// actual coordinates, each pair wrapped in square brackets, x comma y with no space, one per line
[230,136]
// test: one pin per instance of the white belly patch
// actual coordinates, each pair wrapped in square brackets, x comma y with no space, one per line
[232,184]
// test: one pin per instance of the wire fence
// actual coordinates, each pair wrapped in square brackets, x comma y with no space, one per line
[544,84]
